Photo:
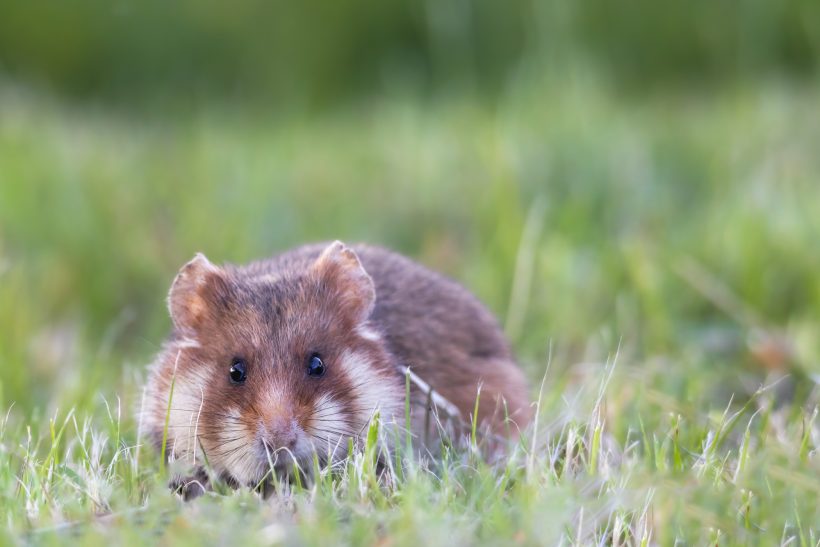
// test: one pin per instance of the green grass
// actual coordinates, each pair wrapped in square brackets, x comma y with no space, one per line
[679,234]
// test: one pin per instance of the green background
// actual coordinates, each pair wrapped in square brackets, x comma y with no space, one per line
[638,176]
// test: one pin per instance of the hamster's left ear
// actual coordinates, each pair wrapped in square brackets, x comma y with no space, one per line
[340,268]
[194,291]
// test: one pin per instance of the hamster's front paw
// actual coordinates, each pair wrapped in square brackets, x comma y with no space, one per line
[191,486]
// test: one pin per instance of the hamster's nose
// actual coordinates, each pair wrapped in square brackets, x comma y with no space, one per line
[279,432]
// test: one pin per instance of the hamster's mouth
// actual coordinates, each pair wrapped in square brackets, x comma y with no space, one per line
[263,462]
[282,460]
[273,474]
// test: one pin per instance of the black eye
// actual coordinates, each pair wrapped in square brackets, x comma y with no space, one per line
[315,366]
[238,373]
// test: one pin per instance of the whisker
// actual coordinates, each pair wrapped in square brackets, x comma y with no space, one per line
[205,411]
[332,430]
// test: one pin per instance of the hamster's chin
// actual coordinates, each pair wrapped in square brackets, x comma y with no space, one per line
[260,462]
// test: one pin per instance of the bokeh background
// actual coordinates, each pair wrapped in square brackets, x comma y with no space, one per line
[604,175]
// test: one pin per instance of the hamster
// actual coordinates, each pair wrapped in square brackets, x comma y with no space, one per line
[271,362]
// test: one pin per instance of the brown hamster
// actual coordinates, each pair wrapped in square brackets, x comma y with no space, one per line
[294,354]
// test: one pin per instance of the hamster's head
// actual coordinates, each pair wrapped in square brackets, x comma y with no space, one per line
[266,369]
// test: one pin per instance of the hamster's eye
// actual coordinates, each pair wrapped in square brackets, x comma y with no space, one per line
[238,372]
[315,366]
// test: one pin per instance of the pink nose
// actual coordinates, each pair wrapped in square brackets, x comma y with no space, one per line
[279,432]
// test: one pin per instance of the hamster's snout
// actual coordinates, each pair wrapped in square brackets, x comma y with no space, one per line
[279,432]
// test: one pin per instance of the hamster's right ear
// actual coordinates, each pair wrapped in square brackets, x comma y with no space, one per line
[188,298]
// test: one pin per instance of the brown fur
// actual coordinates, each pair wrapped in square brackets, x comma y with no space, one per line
[366,311]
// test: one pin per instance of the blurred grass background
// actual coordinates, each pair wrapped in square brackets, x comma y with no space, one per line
[664,157]
[636,177]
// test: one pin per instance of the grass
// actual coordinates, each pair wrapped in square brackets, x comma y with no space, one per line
[655,263]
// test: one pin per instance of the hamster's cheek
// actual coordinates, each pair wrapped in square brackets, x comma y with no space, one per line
[373,390]
[327,420]
[326,409]
[230,448]
[184,417]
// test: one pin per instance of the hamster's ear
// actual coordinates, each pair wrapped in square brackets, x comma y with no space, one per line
[341,269]
[188,297]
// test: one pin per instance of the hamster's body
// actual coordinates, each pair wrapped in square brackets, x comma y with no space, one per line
[296,353]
